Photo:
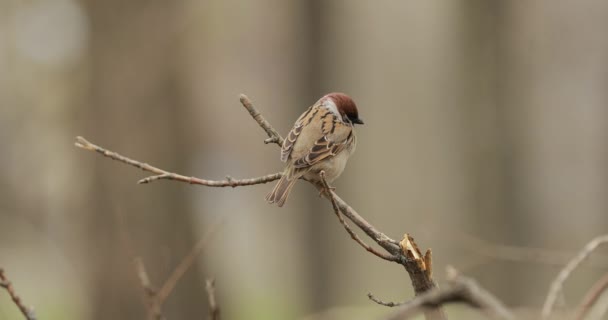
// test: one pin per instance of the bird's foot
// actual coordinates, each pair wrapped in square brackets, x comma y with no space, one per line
[324,188]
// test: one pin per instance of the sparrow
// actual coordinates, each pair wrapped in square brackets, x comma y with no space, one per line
[322,139]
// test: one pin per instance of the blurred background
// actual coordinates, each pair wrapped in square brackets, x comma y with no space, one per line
[485,137]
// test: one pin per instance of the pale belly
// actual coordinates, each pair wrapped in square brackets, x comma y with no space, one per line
[333,168]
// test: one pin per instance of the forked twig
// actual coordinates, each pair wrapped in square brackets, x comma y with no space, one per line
[353,235]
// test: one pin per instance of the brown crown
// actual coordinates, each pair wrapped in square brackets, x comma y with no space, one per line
[345,104]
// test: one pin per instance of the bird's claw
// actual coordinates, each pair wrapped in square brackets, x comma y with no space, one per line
[325,188]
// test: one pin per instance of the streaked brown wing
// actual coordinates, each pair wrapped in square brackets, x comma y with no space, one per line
[293,135]
[289,141]
[336,139]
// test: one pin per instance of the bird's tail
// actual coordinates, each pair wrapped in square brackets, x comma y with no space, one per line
[281,191]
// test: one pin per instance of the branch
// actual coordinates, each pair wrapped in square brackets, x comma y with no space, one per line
[557,285]
[461,289]
[352,234]
[214,308]
[28,313]
[592,297]
[162,174]
[405,253]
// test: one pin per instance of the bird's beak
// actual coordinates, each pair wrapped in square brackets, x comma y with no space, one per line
[357,121]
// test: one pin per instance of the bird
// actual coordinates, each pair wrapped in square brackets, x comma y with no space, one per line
[322,139]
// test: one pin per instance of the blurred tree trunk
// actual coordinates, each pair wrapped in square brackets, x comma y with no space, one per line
[317,251]
[538,130]
[488,135]
[554,75]
[135,109]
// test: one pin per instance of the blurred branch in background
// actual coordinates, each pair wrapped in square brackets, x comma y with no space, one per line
[214,308]
[406,252]
[555,292]
[8,286]
[155,298]
[497,251]
[591,299]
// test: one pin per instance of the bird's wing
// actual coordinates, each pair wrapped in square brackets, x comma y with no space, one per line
[332,138]
[293,135]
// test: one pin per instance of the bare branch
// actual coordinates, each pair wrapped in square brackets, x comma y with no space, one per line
[415,263]
[352,234]
[214,308]
[28,313]
[162,174]
[273,135]
[592,297]
[461,289]
[557,284]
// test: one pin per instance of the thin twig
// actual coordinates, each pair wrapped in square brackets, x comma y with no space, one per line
[592,297]
[273,135]
[28,313]
[186,262]
[383,303]
[555,290]
[460,289]
[353,235]
[162,174]
[214,308]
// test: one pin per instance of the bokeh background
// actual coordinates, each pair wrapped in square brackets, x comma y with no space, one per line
[485,138]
